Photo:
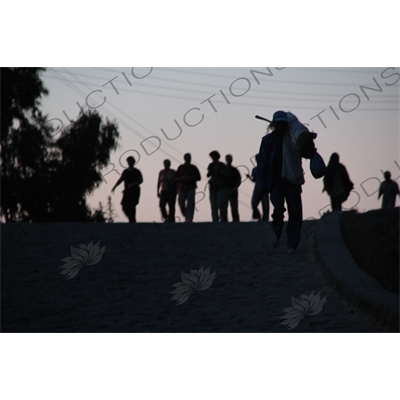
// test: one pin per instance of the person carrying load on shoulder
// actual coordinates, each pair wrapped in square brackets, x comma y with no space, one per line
[281,175]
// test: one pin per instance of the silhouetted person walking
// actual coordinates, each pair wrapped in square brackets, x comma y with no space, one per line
[219,175]
[389,189]
[337,183]
[234,181]
[187,177]
[258,197]
[279,173]
[167,194]
[132,178]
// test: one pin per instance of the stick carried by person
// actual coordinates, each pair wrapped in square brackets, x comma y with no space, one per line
[263,119]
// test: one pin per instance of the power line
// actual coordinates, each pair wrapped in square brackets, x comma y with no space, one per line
[247,104]
[232,77]
[129,127]
[146,129]
[262,97]
[79,92]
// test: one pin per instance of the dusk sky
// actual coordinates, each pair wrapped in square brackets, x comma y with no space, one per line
[165,112]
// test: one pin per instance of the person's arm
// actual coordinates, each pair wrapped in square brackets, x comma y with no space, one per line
[210,170]
[380,191]
[193,175]
[325,184]
[159,184]
[396,190]
[349,186]
[238,179]
[120,180]
[140,180]
[197,174]
[252,176]
[178,176]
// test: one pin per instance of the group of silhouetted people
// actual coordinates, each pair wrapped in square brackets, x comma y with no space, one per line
[278,178]
[181,183]
[338,185]
[224,183]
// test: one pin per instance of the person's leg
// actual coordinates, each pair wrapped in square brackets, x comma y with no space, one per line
[234,200]
[135,203]
[171,206]
[229,201]
[182,201]
[130,211]
[222,204]
[332,203]
[163,203]
[133,214]
[126,204]
[255,201]
[125,209]
[339,203]
[336,203]
[278,202]
[214,205]
[190,205]
[295,211]
[265,207]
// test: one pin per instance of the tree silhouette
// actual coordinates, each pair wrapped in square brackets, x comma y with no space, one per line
[46,179]
[110,212]
[98,214]
[25,138]
[85,148]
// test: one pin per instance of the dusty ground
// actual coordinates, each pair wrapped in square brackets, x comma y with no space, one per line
[128,287]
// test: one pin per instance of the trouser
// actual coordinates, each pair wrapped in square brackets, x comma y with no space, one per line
[129,202]
[130,211]
[168,198]
[219,204]
[255,201]
[292,194]
[233,201]
[389,202]
[186,200]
